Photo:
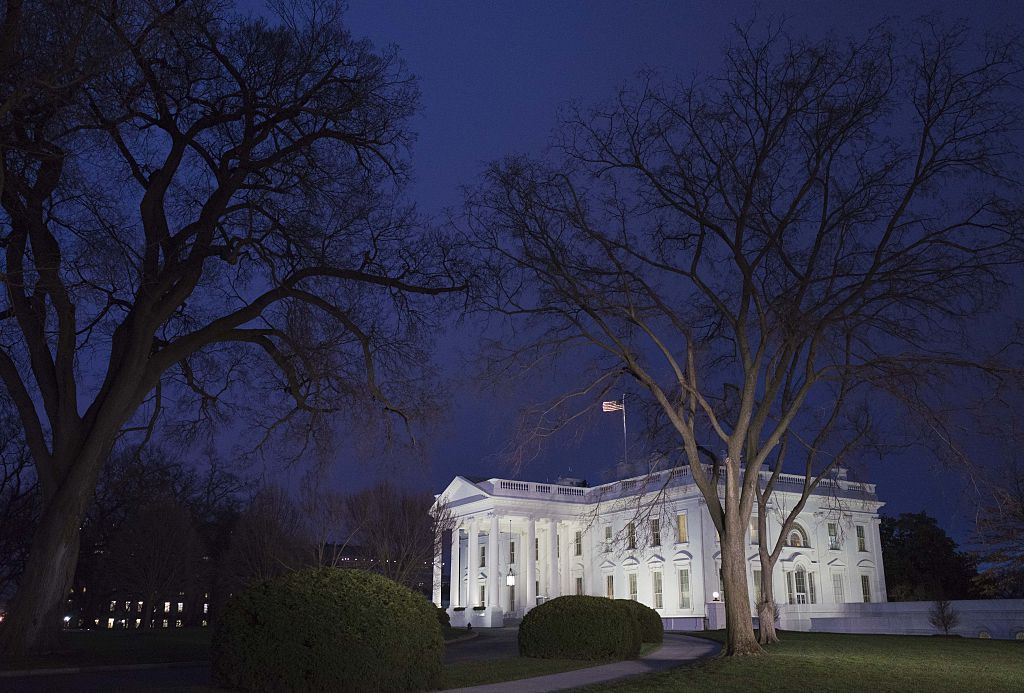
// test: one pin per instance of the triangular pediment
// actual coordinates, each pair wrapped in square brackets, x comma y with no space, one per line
[460,491]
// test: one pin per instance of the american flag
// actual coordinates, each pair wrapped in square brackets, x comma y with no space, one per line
[614,405]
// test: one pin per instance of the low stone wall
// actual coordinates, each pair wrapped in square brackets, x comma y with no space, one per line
[994,618]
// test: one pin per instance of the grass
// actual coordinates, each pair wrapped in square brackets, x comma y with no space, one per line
[106,647]
[479,672]
[839,663]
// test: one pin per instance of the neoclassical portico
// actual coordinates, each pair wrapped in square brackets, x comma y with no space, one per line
[516,544]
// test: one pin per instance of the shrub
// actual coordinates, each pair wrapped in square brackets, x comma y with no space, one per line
[443,618]
[651,627]
[579,627]
[328,629]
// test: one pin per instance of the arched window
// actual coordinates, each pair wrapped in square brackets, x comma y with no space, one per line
[797,537]
[800,580]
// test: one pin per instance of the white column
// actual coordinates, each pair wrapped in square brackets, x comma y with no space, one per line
[438,567]
[554,586]
[472,566]
[456,572]
[531,565]
[493,596]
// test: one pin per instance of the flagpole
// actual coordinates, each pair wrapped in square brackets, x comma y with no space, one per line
[624,460]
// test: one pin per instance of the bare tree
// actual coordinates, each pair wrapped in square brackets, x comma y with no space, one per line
[19,506]
[199,216]
[818,218]
[944,616]
[400,532]
[270,538]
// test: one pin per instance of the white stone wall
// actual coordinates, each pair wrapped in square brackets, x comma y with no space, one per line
[997,618]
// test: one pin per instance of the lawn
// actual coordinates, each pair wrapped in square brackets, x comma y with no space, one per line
[104,647]
[479,672]
[835,662]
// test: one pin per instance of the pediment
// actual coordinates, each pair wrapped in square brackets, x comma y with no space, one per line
[656,559]
[682,557]
[460,491]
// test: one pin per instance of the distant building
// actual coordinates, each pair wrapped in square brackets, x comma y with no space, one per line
[648,538]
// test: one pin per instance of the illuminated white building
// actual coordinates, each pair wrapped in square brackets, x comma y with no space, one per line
[648,538]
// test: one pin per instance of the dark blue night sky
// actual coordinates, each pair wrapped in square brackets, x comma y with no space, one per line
[492,76]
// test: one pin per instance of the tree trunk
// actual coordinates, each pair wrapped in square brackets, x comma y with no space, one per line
[766,607]
[739,625]
[34,623]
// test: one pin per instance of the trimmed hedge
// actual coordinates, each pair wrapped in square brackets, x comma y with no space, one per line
[651,627]
[328,630]
[579,627]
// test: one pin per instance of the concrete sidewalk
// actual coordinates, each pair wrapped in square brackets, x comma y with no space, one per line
[676,650]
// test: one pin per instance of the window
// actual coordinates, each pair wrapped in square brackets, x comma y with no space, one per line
[684,588]
[113,605]
[607,538]
[511,597]
[167,607]
[127,606]
[110,623]
[578,544]
[837,588]
[757,586]
[795,538]
[865,588]
[655,532]
[164,624]
[681,528]
[181,607]
[656,583]
[536,549]
[483,594]
[138,609]
[558,545]
[833,536]
[632,586]
[579,585]
[862,542]
[206,608]
[631,535]
[483,556]
[511,552]
[755,532]
[800,583]
[177,624]
[609,586]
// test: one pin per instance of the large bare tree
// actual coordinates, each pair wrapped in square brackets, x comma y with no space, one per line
[816,218]
[196,208]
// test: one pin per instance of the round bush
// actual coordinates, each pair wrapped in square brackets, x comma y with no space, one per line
[651,627]
[328,630]
[579,627]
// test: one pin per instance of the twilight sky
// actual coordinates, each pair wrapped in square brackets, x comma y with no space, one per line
[492,76]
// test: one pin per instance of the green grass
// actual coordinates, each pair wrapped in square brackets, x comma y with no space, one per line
[836,662]
[106,647]
[479,672]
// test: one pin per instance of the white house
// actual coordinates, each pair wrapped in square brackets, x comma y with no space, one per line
[648,538]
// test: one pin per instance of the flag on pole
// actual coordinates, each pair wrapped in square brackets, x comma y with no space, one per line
[614,405]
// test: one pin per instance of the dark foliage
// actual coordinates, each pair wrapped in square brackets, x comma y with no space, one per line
[580,627]
[651,627]
[921,562]
[328,630]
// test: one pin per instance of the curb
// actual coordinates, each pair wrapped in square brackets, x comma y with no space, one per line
[11,673]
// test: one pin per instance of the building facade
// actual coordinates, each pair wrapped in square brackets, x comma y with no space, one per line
[649,538]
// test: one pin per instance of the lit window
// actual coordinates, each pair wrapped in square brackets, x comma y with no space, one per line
[579,585]
[865,588]
[165,623]
[206,608]
[127,606]
[862,542]
[684,588]
[483,594]
[110,623]
[167,607]
[837,588]
[632,586]
[631,535]
[113,605]
[757,586]
[755,536]
[684,537]
[138,608]
[800,581]
[177,624]
[609,586]
[795,538]
[656,580]
[833,536]
[204,623]
[138,622]
[181,607]
[655,532]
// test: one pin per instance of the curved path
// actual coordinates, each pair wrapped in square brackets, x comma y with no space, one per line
[677,650]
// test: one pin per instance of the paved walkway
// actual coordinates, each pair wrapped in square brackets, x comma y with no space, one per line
[676,650]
